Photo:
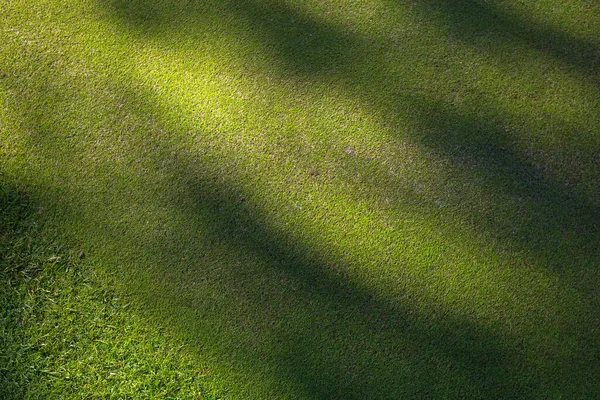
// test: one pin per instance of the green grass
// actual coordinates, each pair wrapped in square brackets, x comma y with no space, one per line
[319,199]
[67,334]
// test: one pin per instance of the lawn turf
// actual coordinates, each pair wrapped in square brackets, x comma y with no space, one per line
[381,199]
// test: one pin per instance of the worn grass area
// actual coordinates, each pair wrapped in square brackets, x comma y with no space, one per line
[321,199]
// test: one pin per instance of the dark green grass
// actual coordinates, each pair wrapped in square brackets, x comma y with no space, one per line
[322,199]
[66,334]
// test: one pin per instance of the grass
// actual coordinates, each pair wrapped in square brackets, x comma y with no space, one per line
[382,199]
[66,334]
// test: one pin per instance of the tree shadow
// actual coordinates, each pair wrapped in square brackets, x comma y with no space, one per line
[494,30]
[314,46]
[321,333]
[267,302]
[16,236]
[304,45]
[14,203]
[292,312]
[474,138]
[532,212]
[545,212]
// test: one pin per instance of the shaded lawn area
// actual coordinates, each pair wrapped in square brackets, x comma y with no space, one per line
[66,333]
[323,200]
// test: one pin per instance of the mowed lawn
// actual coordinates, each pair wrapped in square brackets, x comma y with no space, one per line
[300,199]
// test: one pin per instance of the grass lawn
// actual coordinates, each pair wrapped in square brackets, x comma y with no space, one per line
[300,199]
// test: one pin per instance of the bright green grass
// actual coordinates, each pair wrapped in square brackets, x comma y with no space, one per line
[322,199]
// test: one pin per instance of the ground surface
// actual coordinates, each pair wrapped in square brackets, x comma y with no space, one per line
[300,199]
